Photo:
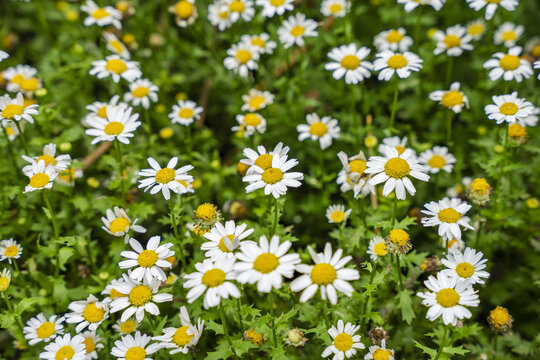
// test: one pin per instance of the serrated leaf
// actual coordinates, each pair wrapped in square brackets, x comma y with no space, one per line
[63,256]
[425,349]
[405,304]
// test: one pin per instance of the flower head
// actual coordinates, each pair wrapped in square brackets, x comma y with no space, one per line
[165,179]
[344,341]
[448,215]
[149,262]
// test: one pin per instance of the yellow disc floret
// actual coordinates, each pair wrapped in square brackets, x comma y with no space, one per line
[11,110]
[213,278]
[272,175]
[437,161]
[39,180]
[114,128]
[117,66]
[465,270]
[266,263]
[318,129]
[509,62]
[206,212]
[343,342]
[323,274]
[447,297]
[397,168]
[399,237]
[449,215]
[65,353]
[452,98]
[92,313]
[147,258]
[350,62]
[45,330]
[222,245]
[140,295]
[397,61]
[264,161]
[135,353]
[181,337]
[119,224]
[165,175]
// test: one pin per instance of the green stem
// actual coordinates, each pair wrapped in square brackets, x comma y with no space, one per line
[275,218]
[55,228]
[501,167]
[443,340]
[16,266]
[394,104]
[240,316]
[21,136]
[364,304]
[121,169]
[449,69]
[272,314]
[398,269]
[225,331]
[10,309]
[325,313]
[10,150]
[480,224]
[363,211]
[395,211]
[417,28]
[175,216]
[449,127]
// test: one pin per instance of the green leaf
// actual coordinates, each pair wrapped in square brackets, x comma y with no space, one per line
[455,350]
[405,304]
[63,256]
[426,350]
[24,304]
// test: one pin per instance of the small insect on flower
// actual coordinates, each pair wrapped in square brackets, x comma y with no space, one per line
[117,223]
[377,248]
[116,67]
[261,43]
[388,62]
[249,124]
[467,266]
[295,28]
[448,215]
[344,341]
[242,58]
[224,240]
[89,312]
[500,320]
[185,112]
[353,175]
[492,5]
[377,352]
[453,99]
[183,338]
[142,92]
[39,328]
[10,250]
[437,159]
[65,347]
[149,262]
[454,41]
[337,214]
[134,347]
[92,344]
[509,66]
[119,125]
[349,61]
[394,39]
[335,8]
[15,110]
[323,129]
[512,109]
[165,179]
[41,177]
[275,7]
[104,16]
[185,12]
[256,100]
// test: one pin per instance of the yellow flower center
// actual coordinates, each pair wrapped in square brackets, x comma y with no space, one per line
[135,353]
[397,61]
[206,212]
[127,327]
[256,102]
[147,258]
[264,161]
[272,175]
[165,175]
[447,298]
[516,130]
[11,251]
[318,129]
[509,62]
[399,237]
[18,79]
[298,30]
[243,56]
[380,249]
[266,263]
[480,186]
[382,354]
[102,112]
[92,313]
[452,98]
[115,294]
[237,6]
[117,46]
[509,35]
[213,278]
[343,342]
[323,274]
[39,180]
[335,8]
[397,168]
[400,149]
[277,3]
[257,41]
[65,353]
[186,113]
[437,161]
[119,224]
[223,14]
[337,216]
[47,159]
[221,244]
[140,295]
[45,330]
[181,337]
[449,215]
[394,36]
[536,51]
[508,108]
[350,62]
[117,66]
[493,1]
[30,84]
[451,41]
[89,344]
[99,13]
[114,128]
[499,316]
[11,110]
[141,91]
[476,29]
[184,9]
[252,120]
[465,270]
[4,283]
[358,166]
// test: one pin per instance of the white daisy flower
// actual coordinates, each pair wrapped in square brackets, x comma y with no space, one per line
[337,214]
[39,328]
[240,9]
[242,58]
[261,42]
[185,112]
[60,162]
[5,279]
[126,327]
[275,7]
[218,15]
[508,33]
[249,124]
[476,28]
[328,274]
[275,179]
[509,66]
[41,177]
[295,28]
[110,288]
[183,338]
[467,266]
[353,176]
[141,298]
[394,39]
[224,240]
[393,169]
[453,244]
[165,179]
[89,312]
[91,344]
[99,108]
[115,45]
[185,12]
[410,5]
[256,100]
[448,298]
[324,130]
[335,8]
[68,176]
[448,215]
[536,65]
[453,99]
[377,352]
[149,262]
[344,341]
[142,92]
[261,158]
[454,41]
[14,109]
[3,55]
[265,264]
[116,67]
[117,223]
[104,16]
[388,63]
[512,109]
[214,278]
[377,248]
[65,347]
[119,125]
[17,76]
[437,159]
[10,250]
[400,144]
[348,61]
[11,128]
[491,6]
[134,347]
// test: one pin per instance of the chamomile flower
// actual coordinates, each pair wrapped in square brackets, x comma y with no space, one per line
[117,223]
[377,352]
[453,99]
[265,264]
[87,313]
[41,177]
[491,6]
[20,78]
[142,92]
[39,328]
[410,5]
[214,278]
[134,347]
[337,214]
[448,215]
[119,125]
[536,65]
[126,327]
[447,297]
[467,266]
[185,12]
[242,58]
[437,159]
[256,100]
[275,179]
[110,291]
[115,45]
[218,15]
[353,175]
[60,162]
[335,8]
[224,240]
[10,250]
[92,344]
[295,28]
[99,108]
[3,55]
[509,66]
[183,338]
[185,112]
[5,279]
[275,7]
[394,39]
[453,244]
[508,33]
[150,262]
[240,9]
[323,129]
[249,124]
[389,62]
[377,248]
[141,298]
[261,42]
[65,347]
[512,109]
[104,16]
[261,157]
[393,169]
[11,128]
[328,274]
[15,110]
[453,41]
[400,144]
[476,28]
[165,179]
[116,67]
[348,61]
[344,341]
